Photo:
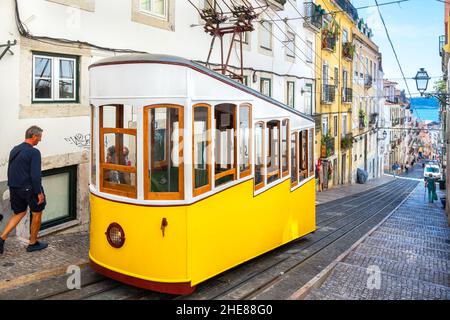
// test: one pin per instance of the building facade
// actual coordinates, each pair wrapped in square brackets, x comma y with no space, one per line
[444,52]
[57,40]
[366,104]
[350,97]
[399,145]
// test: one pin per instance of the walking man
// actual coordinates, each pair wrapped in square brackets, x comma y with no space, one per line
[25,188]
[394,168]
[430,184]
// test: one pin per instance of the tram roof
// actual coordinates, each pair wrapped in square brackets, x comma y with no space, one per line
[168,59]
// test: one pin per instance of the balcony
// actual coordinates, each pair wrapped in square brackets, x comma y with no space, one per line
[327,147]
[362,122]
[328,41]
[362,119]
[277,5]
[368,81]
[347,142]
[348,50]
[347,95]
[348,8]
[328,93]
[313,16]
[373,118]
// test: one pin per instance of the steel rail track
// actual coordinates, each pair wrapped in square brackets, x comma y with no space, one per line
[368,199]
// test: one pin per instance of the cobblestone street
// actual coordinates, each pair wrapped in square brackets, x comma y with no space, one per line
[409,253]
[18,267]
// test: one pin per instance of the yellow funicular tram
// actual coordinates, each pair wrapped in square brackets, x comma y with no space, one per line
[192,173]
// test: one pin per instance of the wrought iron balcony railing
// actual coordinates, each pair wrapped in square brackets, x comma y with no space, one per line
[328,93]
[313,16]
[373,118]
[347,95]
[348,8]
[362,122]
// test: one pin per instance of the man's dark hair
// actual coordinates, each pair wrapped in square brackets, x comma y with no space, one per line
[33,131]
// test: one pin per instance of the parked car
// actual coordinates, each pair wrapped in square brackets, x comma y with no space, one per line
[434,169]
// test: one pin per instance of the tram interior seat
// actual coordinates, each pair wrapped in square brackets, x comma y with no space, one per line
[164,179]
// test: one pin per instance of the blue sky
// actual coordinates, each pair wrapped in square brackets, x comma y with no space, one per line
[414,27]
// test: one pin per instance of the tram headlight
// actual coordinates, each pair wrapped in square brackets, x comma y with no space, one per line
[115,235]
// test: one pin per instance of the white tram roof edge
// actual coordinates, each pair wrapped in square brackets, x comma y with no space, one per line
[179,61]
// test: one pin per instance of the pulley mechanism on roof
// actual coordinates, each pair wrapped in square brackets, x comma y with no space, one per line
[233,19]
[8,46]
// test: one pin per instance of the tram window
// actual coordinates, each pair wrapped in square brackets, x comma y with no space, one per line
[201,144]
[119,116]
[245,141]
[294,158]
[284,147]
[225,144]
[311,152]
[259,155]
[164,155]
[93,151]
[118,151]
[273,151]
[303,169]
[125,156]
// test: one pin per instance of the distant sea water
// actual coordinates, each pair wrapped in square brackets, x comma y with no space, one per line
[425,109]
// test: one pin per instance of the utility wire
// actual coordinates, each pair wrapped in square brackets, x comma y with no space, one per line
[340,11]
[395,53]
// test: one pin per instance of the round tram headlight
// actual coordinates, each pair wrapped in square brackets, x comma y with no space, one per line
[115,235]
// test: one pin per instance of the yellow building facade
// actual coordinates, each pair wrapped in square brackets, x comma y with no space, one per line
[348,95]
[367,94]
[334,45]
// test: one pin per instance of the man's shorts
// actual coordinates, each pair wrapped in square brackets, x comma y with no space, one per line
[22,198]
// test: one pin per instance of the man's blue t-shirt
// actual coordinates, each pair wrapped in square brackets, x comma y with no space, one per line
[24,168]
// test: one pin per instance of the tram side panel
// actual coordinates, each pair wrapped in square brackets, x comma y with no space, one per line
[234,226]
[147,253]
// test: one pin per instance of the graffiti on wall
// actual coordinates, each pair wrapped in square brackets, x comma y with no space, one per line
[3,162]
[80,140]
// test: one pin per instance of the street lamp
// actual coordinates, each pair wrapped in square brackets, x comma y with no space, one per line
[422,79]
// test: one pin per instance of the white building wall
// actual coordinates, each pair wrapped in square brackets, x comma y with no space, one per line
[110,25]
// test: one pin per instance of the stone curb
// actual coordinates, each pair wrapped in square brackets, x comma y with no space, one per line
[319,279]
[38,276]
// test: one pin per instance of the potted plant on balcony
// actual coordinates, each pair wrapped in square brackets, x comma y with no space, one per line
[326,147]
[362,118]
[347,142]
[348,50]
[330,35]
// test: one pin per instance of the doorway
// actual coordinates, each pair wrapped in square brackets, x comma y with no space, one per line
[343,168]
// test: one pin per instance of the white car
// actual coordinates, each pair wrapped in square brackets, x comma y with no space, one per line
[434,170]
